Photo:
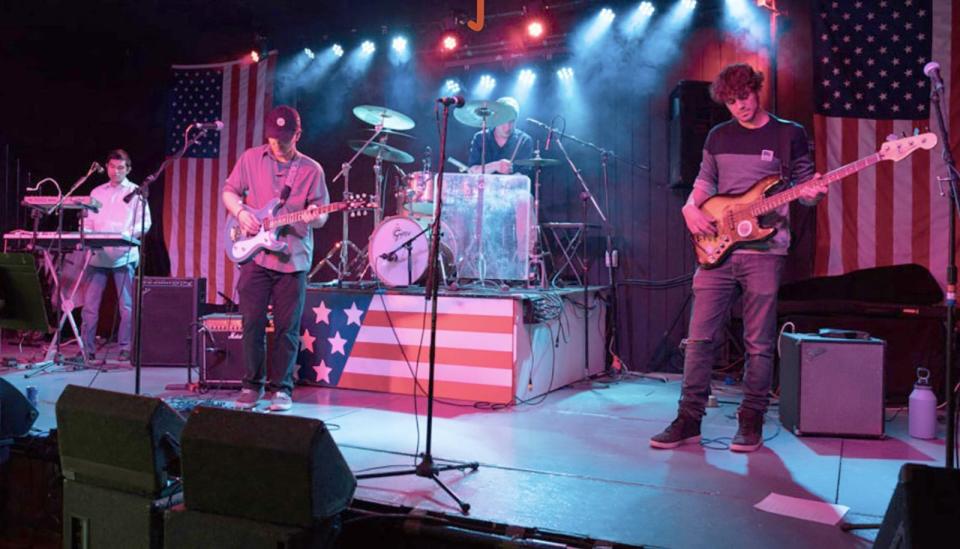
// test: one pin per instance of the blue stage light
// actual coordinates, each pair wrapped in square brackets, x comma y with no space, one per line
[337,50]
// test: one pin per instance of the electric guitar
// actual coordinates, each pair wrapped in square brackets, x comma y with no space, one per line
[738,216]
[242,247]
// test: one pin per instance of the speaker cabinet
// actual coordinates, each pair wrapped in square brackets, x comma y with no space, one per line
[221,358]
[188,528]
[831,386]
[118,441]
[98,517]
[171,308]
[924,510]
[280,469]
[692,115]
[16,413]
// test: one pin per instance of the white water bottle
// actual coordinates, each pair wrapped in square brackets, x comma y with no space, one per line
[923,407]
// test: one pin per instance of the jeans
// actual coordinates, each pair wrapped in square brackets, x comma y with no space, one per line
[287,292]
[96,282]
[757,278]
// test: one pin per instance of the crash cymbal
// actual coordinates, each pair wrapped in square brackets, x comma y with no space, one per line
[390,119]
[391,132]
[385,152]
[536,162]
[473,113]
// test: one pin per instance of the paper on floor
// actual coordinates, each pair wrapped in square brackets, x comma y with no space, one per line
[806,509]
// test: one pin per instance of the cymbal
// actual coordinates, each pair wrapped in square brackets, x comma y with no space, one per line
[391,120]
[391,132]
[536,162]
[386,152]
[473,113]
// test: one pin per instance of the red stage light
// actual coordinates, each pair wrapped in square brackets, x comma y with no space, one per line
[535,29]
[449,42]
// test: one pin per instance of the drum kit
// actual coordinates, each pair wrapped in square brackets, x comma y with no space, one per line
[397,249]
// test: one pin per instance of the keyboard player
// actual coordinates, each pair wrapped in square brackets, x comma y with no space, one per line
[115,216]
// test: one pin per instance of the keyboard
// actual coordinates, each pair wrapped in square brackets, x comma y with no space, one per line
[71,203]
[70,239]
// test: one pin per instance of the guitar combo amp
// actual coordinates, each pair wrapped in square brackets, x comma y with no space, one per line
[221,357]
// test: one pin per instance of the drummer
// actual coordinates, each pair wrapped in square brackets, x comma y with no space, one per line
[504,145]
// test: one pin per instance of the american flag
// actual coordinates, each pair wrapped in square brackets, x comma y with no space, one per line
[238,93]
[378,341]
[869,83]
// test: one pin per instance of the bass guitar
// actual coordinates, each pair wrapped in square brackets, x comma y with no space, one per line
[738,216]
[242,247]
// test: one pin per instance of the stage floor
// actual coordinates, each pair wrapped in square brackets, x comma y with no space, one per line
[578,461]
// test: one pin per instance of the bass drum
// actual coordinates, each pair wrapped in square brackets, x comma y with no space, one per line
[396,265]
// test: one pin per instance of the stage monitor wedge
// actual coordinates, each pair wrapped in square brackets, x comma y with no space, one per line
[118,441]
[271,468]
[16,413]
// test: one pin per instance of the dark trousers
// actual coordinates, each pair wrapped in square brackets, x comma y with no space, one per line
[757,278]
[259,287]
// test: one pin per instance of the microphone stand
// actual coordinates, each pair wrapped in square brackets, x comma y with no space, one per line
[143,193]
[951,300]
[427,468]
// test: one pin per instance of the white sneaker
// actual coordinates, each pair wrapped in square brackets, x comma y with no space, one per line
[281,402]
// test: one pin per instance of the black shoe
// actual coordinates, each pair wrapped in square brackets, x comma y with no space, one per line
[682,430]
[124,356]
[749,436]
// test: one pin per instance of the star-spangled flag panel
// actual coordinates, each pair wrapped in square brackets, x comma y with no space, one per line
[329,327]
[867,63]
[869,58]
[196,96]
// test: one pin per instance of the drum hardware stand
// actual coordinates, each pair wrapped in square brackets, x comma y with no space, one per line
[344,268]
[538,252]
[408,244]
[427,468]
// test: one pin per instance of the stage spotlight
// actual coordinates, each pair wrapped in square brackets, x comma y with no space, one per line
[399,44]
[690,4]
[368,47]
[527,77]
[337,50]
[449,42]
[484,87]
[452,86]
[607,16]
[646,9]
[565,73]
[309,53]
[255,56]
[536,29]
[639,20]
[592,31]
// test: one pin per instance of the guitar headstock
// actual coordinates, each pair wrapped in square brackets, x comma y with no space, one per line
[358,205]
[899,149]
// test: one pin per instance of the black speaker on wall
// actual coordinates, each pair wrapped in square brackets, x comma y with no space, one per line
[171,310]
[280,469]
[118,441]
[924,510]
[692,115]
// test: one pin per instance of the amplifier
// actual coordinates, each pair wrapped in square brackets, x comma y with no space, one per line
[832,386]
[221,364]
[171,307]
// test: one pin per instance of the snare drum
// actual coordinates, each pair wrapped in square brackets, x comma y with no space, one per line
[397,265]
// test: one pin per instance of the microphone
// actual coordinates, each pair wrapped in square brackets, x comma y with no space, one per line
[932,70]
[215,125]
[96,167]
[549,136]
[455,101]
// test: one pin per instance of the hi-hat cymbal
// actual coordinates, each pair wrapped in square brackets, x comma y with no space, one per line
[536,162]
[390,119]
[473,113]
[391,132]
[385,152]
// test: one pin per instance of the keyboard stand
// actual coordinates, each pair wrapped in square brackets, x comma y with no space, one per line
[567,238]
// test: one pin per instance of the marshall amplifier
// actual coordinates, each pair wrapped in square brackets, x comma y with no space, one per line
[171,307]
[221,363]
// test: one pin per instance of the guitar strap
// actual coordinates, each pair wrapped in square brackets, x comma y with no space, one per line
[786,156]
[289,177]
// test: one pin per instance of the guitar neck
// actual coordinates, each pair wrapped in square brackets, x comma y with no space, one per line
[769,204]
[302,216]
